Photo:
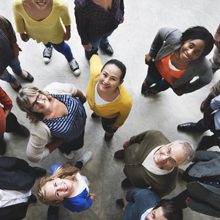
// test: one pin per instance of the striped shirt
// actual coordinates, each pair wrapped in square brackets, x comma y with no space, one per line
[70,126]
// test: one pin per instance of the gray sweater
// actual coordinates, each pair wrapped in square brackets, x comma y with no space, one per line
[166,42]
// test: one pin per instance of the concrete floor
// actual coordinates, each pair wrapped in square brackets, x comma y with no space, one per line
[131,41]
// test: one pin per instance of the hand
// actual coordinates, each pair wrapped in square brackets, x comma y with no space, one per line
[148,59]
[16,49]
[188,201]
[92,196]
[122,20]
[66,36]
[88,47]
[24,37]
[126,144]
[6,113]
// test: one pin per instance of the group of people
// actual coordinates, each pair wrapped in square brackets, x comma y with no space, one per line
[57,116]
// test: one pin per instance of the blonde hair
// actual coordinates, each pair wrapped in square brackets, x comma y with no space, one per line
[64,172]
[24,104]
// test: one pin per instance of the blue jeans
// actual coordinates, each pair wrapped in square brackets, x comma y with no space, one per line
[97,41]
[153,76]
[16,68]
[63,48]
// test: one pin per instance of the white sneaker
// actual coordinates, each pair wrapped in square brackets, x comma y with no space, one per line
[74,66]
[47,53]
[85,157]
[69,156]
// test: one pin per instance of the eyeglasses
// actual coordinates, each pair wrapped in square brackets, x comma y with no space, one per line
[38,97]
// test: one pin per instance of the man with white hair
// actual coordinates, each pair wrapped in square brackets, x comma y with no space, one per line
[152,160]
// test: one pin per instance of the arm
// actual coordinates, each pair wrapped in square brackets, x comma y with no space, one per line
[95,65]
[124,112]
[217,37]
[206,155]
[80,95]
[138,138]
[67,34]
[5,101]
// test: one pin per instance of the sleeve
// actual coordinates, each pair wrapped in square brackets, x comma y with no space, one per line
[215,103]
[9,29]
[39,138]
[81,23]
[82,205]
[95,66]
[123,114]
[5,100]
[138,138]
[206,155]
[63,88]
[162,35]
[19,21]
[65,16]
[122,6]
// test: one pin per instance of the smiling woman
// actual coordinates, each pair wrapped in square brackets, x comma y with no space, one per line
[175,58]
[107,96]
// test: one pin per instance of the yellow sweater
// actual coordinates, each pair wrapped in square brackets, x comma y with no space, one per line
[119,108]
[51,29]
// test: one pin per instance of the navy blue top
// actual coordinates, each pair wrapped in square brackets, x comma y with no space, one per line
[70,126]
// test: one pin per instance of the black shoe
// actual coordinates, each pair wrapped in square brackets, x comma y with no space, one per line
[28,78]
[16,86]
[189,126]
[39,172]
[120,203]
[95,116]
[126,183]
[22,131]
[119,155]
[107,49]
[145,87]
[2,146]
[108,136]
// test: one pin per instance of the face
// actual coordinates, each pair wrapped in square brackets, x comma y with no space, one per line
[39,103]
[58,189]
[169,156]
[191,50]
[110,78]
[156,214]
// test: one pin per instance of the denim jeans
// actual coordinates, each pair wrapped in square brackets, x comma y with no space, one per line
[16,68]
[107,123]
[153,76]
[97,41]
[63,48]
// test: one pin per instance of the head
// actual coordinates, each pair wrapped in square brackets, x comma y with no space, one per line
[34,102]
[52,190]
[173,154]
[165,210]
[112,75]
[196,42]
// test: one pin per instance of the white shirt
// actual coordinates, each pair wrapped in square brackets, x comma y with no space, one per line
[12,197]
[146,213]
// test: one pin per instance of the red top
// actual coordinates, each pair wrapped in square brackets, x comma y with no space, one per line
[166,72]
[5,104]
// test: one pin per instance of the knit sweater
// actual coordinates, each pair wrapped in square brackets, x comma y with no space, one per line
[119,108]
[51,29]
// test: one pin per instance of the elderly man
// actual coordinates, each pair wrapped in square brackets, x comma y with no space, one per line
[145,204]
[152,160]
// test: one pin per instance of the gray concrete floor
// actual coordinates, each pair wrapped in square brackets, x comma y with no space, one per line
[131,41]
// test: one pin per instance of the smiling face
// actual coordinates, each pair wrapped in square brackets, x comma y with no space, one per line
[110,78]
[156,214]
[39,103]
[169,156]
[191,50]
[41,4]
[58,189]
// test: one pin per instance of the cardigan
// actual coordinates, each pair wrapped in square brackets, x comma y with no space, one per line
[119,108]
[166,42]
[47,30]
[40,134]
